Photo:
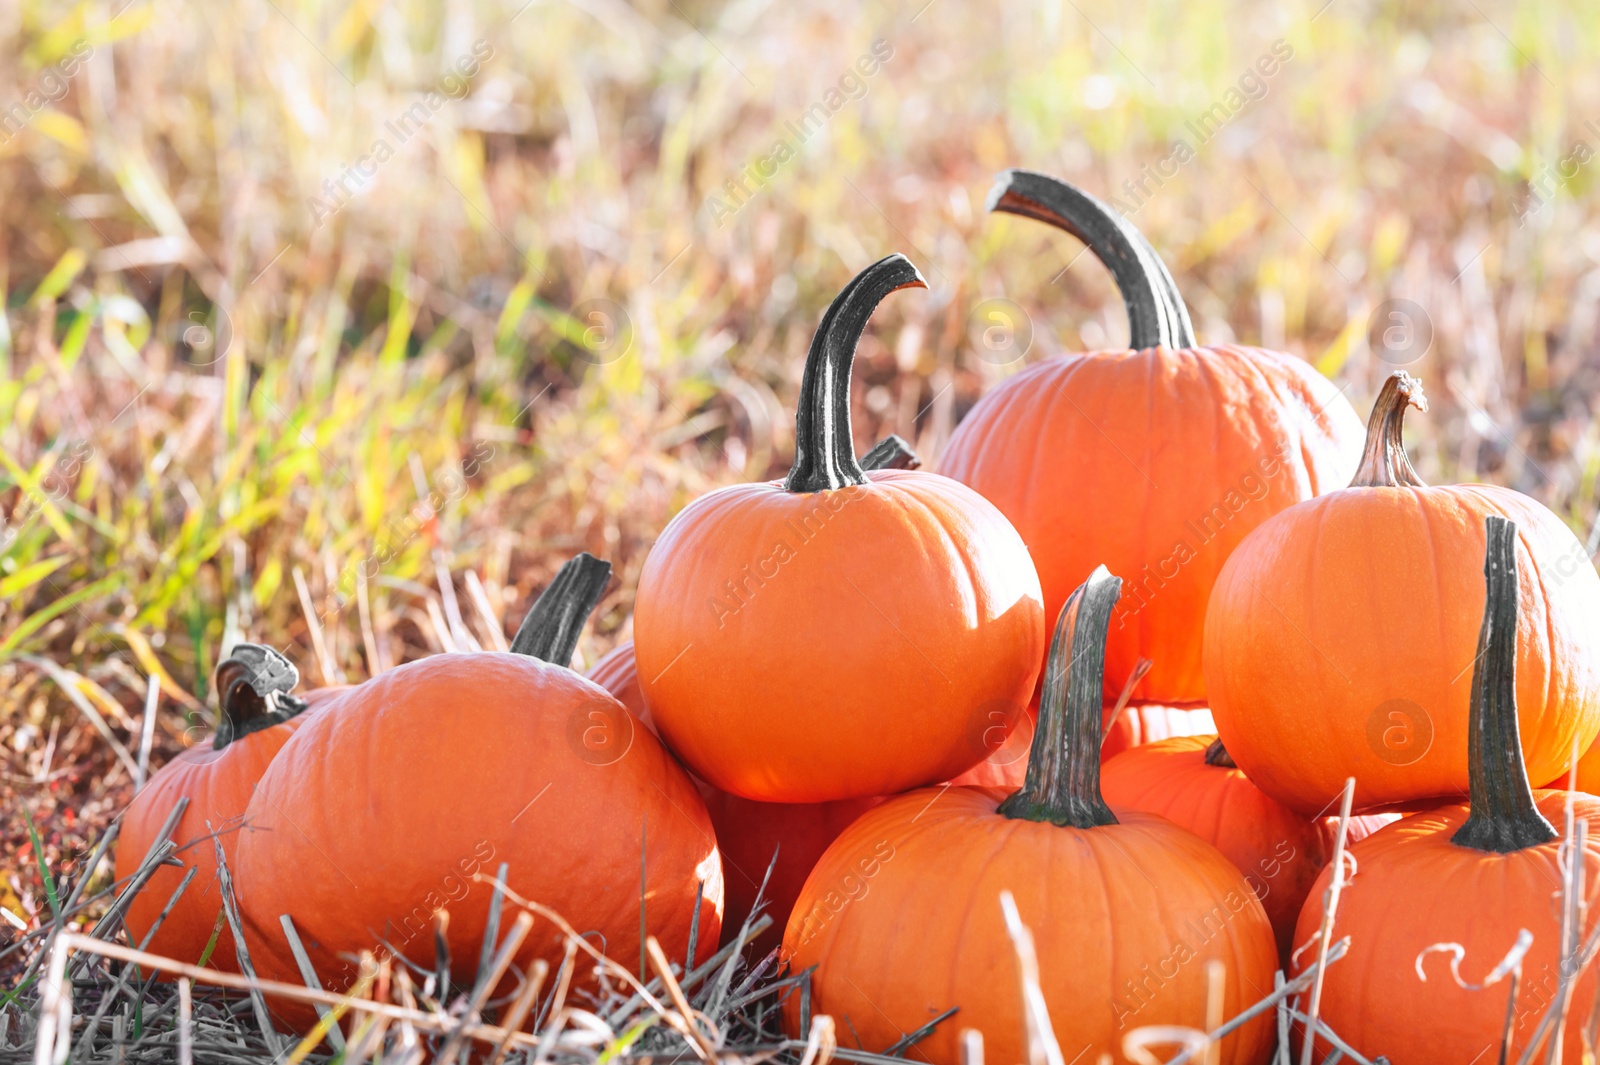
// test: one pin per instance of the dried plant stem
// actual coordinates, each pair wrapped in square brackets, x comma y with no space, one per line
[185,1022]
[73,941]
[1140,668]
[369,637]
[480,602]
[1330,908]
[502,961]
[319,643]
[521,1007]
[308,973]
[691,1030]
[147,729]
[1042,1046]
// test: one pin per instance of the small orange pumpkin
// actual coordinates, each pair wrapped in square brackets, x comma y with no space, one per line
[1192,782]
[837,635]
[751,835]
[256,716]
[1474,874]
[398,793]
[902,916]
[1156,460]
[1339,637]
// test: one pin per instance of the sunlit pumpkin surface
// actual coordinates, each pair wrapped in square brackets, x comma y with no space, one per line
[902,918]
[807,647]
[1414,888]
[1155,463]
[361,829]
[1342,635]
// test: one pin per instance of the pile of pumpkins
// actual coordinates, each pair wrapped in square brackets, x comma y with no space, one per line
[1117,657]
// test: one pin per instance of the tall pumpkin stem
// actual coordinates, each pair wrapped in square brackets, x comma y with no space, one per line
[1504,817]
[253,686]
[1217,755]
[550,631]
[1384,463]
[1157,316]
[824,452]
[1063,781]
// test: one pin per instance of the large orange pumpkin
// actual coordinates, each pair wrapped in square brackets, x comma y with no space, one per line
[1341,633]
[1475,874]
[902,916]
[383,808]
[1192,782]
[837,635]
[256,716]
[1156,460]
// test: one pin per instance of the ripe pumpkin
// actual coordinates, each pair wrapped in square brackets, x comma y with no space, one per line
[837,635]
[1474,873]
[1192,782]
[383,807]
[256,716]
[750,833]
[1588,771]
[902,917]
[1182,449]
[1339,634]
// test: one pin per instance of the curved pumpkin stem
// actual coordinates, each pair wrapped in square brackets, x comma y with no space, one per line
[1157,316]
[891,453]
[824,453]
[550,631]
[1384,463]
[1218,755]
[253,686]
[1504,817]
[1063,781]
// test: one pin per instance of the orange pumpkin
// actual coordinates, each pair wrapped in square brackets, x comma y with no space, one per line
[1475,874]
[1181,449]
[902,916]
[256,717]
[751,836]
[387,804]
[1152,723]
[1339,635]
[1192,782]
[837,635]
[1588,771]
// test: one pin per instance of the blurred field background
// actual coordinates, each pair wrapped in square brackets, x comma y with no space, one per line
[243,360]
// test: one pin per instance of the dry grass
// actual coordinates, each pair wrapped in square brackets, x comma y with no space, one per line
[160,500]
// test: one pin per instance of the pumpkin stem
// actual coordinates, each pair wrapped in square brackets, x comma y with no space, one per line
[253,686]
[891,453]
[824,453]
[551,629]
[1063,781]
[1504,817]
[1218,755]
[1384,463]
[1157,316]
